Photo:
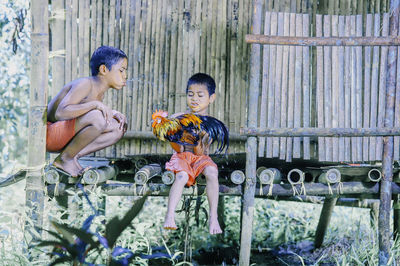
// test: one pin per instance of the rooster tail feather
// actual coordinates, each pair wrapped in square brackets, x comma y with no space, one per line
[217,131]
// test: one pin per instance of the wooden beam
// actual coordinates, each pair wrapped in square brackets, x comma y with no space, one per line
[131,134]
[320,132]
[34,202]
[323,41]
[384,231]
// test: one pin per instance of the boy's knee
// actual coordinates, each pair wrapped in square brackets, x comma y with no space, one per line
[97,120]
[182,177]
[210,172]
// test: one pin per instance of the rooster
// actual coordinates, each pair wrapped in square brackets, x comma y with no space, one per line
[186,129]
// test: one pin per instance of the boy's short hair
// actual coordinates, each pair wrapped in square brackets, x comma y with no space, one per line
[201,78]
[105,55]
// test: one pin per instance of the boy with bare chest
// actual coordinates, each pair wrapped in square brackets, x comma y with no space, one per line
[78,123]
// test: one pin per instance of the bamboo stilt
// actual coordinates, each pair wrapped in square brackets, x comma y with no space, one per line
[34,202]
[387,162]
[251,156]
[324,218]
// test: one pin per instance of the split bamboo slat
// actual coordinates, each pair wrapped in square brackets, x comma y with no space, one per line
[284,86]
[298,86]
[382,86]
[396,141]
[68,37]
[341,88]
[367,86]
[320,88]
[271,84]
[359,75]
[335,88]
[264,82]
[74,40]
[277,85]
[306,88]
[347,91]
[291,83]
[327,86]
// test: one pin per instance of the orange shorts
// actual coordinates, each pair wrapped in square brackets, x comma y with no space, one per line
[59,134]
[190,163]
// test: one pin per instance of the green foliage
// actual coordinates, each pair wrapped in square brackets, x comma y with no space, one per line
[14,82]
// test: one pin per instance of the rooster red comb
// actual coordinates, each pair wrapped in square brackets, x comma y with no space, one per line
[159,113]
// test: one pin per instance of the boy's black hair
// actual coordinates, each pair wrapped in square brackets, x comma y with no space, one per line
[201,78]
[105,55]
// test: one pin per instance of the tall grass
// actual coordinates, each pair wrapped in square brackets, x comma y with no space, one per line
[350,239]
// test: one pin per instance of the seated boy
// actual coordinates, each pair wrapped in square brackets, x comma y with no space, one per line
[78,123]
[188,162]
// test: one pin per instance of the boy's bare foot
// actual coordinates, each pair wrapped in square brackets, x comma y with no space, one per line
[214,226]
[170,223]
[68,166]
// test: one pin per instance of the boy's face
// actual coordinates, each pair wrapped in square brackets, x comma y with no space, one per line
[198,98]
[117,75]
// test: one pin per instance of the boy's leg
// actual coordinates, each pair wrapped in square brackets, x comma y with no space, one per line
[211,174]
[174,196]
[89,127]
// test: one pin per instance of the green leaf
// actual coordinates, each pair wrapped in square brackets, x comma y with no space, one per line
[83,235]
[115,227]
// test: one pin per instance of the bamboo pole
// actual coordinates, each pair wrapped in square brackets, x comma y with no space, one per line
[74,40]
[251,156]
[321,132]
[396,154]
[324,218]
[34,197]
[351,189]
[100,175]
[323,41]
[387,162]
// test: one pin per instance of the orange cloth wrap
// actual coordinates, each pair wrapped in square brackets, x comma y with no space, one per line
[190,163]
[59,134]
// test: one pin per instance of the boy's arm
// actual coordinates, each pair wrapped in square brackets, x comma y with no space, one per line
[71,105]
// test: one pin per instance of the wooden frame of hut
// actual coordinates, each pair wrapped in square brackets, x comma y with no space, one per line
[321,90]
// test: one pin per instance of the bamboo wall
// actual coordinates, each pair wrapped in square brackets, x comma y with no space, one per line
[167,41]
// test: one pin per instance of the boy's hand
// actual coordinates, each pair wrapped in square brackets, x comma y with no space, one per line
[121,120]
[107,112]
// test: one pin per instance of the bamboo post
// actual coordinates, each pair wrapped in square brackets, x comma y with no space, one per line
[326,212]
[147,172]
[387,160]
[237,177]
[251,156]
[34,202]
[99,175]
